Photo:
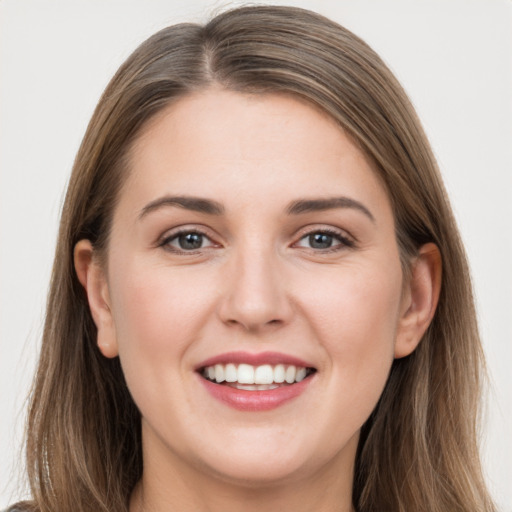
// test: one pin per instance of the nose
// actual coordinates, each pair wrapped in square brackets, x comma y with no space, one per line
[255,294]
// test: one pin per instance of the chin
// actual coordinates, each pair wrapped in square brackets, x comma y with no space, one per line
[270,458]
[260,471]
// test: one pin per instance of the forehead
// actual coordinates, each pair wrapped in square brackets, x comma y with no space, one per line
[235,146]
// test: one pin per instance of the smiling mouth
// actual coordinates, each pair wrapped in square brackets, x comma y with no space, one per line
[255,378]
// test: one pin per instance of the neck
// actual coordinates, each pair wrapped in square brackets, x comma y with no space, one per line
[229,498]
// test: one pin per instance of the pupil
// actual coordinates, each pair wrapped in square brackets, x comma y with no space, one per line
[320,240]
[190,241]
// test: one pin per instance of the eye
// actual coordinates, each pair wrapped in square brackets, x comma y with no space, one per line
[187,241]
[325,240]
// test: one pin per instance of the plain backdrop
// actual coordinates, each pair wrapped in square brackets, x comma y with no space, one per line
[454,58]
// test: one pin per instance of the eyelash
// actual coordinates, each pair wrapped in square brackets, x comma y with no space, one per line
[345,241]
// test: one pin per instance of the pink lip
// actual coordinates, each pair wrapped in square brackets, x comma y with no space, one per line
[263,400]
[266,400]
[260,358]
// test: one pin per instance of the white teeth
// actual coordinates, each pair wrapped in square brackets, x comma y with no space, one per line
[264,374]
[255,377]
[231,373]
[254,387]
[245,374]
[291,371]
[301,374]
[279,373]
[219,373]
[262,387]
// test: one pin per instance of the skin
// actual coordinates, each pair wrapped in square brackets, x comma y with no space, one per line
[256,284]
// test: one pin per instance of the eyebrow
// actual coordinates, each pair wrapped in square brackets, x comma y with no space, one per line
[196,204]
[315,205]
[298,207]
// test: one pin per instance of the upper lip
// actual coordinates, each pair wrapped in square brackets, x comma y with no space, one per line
[254,359]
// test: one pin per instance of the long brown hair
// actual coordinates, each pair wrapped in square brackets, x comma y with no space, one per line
[418,450]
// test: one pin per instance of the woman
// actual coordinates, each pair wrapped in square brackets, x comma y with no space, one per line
[259,296]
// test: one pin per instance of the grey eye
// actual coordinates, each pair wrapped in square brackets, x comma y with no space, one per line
[320,240]
[190,241]
[187,241]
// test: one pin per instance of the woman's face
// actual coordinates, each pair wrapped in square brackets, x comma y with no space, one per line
[252,236]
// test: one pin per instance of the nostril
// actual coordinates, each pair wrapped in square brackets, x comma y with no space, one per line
[253,326]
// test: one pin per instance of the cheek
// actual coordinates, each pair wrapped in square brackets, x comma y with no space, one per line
[355,316]
[159,313]
[155,304]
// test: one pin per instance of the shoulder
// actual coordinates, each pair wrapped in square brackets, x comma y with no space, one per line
[17,508]
[22,506]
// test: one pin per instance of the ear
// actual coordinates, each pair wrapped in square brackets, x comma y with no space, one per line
[92,277]
[419,299]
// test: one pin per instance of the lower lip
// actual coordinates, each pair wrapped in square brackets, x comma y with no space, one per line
[263,400]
